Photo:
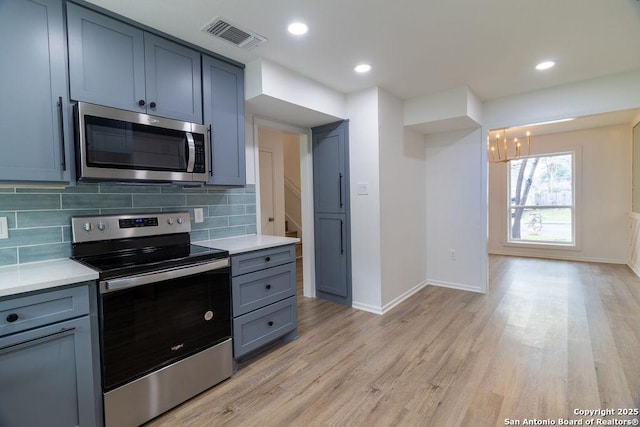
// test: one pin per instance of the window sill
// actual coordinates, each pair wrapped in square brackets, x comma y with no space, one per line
[544,246]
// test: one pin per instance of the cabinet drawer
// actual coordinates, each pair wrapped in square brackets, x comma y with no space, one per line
[255,290]
[22,313]
[259,260]
[262,326]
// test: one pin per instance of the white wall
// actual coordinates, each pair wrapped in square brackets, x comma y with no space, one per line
[250,148]
[610,93]
[455,221]
[292,158]
[402,204]
[634,243]
[602,195]
[292,188]
[278,93]
[365,210]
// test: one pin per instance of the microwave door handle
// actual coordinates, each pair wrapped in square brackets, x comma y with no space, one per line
[192,152]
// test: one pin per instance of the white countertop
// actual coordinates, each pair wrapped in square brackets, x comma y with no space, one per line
[35,276]
[236,245]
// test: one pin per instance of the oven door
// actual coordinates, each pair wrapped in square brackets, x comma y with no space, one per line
[153,320]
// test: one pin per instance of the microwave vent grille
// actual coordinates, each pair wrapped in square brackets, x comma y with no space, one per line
[226,30]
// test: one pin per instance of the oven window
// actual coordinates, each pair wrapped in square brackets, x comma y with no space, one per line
[151,326]
[122,145]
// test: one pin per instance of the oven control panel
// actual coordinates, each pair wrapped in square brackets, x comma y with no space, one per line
[108,227]
[138,222]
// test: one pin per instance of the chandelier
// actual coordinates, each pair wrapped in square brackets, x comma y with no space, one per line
[501,150]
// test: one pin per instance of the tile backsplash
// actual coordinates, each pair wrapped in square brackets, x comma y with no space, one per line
[39,218]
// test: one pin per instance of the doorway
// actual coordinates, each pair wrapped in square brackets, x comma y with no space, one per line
[284,191]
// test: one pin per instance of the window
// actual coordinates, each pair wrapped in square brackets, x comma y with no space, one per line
[541,204]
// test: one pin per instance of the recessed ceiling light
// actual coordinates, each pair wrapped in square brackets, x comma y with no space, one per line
[362,68]
[298,28]
[545,65]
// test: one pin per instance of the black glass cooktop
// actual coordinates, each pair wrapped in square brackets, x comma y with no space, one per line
[127,257]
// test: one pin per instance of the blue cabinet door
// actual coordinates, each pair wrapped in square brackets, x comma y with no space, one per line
[332,223]
[223,96]
[173,80]
[118,65]
[34,123]
[106,60]
[332,255]
[329,168]
[46,376]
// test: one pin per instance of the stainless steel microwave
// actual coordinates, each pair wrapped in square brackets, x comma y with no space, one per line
[121,145]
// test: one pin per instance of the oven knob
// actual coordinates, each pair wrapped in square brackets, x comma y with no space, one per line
[180,220]
[170,221]
[87,226]
[102,226]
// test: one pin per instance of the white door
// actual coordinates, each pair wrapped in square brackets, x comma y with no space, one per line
[271,165]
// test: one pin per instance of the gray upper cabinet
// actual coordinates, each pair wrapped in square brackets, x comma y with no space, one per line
[173,79]
[223,100]
[106,60]
[34,122]
[115,64]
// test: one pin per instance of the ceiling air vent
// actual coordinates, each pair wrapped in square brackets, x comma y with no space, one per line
[226,30]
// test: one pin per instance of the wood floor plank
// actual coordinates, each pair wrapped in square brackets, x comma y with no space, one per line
[549,337]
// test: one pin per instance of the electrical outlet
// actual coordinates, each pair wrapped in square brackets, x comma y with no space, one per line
[4,229]
[198,215]
[452,254]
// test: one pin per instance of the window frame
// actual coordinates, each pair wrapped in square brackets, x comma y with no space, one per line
[575,243]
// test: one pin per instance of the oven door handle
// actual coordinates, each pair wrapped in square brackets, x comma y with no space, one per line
[160,276]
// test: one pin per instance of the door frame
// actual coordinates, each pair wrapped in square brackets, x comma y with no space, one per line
[306,186]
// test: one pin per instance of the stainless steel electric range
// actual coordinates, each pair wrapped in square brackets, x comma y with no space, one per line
[164,311]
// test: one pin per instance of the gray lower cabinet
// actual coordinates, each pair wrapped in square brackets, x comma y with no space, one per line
[36,132]
[118,65]
[264,299]
[47,360]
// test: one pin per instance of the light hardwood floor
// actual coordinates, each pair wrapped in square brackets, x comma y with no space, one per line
[549,337]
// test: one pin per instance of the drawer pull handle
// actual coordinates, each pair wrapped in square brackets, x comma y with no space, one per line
[270,323]
[12,318]
[141,103]
[268,287]
[268,259]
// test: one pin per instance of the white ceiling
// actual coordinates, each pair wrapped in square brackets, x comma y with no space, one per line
[418,47]
[586,122]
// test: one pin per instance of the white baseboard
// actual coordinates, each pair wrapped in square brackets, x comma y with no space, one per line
[459,286]
[558,256]
[390,305]
[385,308]
[404,296]
[634,268]
[366,307]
